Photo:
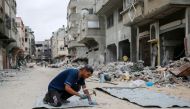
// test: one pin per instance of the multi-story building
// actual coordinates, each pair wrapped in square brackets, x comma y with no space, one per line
[39,50]
[91,33]
[3,36]
[77,50]
[47,50]
[21,33]
[8,29]
[58,46]
[160,29]
[43,51]
[29,44]
[118,36]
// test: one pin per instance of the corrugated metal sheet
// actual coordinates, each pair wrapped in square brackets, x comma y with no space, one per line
[74,102]
[146,98]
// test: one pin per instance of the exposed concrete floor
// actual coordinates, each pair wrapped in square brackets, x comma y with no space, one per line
[21,91]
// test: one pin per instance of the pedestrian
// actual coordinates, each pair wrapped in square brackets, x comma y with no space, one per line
[67,84]
[125,58]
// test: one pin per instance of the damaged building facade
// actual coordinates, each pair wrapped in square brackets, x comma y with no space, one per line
[58,45]
[43,51]
[91,34]
[117,35]
[8,34]
[160,29]
[83,31]
[154,31]
[30,50]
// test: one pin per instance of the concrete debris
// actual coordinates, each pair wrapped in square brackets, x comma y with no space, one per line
[160,76]
[183,70]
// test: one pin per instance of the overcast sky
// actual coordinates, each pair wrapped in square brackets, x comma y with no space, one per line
[43,16]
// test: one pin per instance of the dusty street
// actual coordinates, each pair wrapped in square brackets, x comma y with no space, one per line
[23,89]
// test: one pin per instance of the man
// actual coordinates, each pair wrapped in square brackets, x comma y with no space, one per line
[67,84]
[125,58]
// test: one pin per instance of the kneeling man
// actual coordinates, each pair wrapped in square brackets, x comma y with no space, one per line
[67,84]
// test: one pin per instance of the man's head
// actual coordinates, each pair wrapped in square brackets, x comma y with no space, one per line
[86,71]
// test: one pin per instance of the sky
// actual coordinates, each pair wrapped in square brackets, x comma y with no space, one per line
[43,16]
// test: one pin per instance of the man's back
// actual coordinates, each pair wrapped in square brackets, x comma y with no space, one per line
[68,76]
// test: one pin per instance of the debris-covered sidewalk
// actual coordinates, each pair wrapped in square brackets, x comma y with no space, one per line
[176,73]
[143,85]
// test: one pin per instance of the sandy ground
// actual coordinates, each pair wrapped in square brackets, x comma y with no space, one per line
[21,91]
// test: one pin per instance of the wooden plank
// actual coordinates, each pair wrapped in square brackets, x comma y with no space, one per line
[184,70]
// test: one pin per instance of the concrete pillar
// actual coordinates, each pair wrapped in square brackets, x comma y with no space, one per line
[187,40]
[158,43]
[1,57]
[117,47]
[137,42]
[133,46]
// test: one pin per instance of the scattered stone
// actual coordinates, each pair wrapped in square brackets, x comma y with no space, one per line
[183,70]
[160,76]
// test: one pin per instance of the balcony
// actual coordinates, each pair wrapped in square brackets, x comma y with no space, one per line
[99,4]
[136,15]
[91,37]
[90,32]
[152,6]
[73,44]
[107,6]
[149,10]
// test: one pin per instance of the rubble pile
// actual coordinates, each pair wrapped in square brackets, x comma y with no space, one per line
[160,76]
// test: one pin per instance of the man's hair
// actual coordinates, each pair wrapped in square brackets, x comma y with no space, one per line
[88,68]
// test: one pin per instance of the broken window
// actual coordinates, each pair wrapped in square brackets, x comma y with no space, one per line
[91,11]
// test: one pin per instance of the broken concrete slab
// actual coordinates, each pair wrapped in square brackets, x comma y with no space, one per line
[145,98]
[183,70]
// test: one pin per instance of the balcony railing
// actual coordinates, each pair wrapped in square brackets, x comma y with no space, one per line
[147,9]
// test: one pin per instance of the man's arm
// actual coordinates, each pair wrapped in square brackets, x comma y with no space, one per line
[73,92]
[70,90]
[85,90]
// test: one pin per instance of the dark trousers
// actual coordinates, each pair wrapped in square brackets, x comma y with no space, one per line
[56,97]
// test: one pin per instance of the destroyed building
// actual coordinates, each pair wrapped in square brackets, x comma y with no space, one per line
[154,31]
[86,32]
[58,46]
[160,29]
[43,51]
[30,49]
[8,34]
[117,36]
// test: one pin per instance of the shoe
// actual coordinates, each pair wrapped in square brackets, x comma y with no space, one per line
[45,101]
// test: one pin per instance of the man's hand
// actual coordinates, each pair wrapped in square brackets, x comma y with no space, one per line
[83,96]
[93,103]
